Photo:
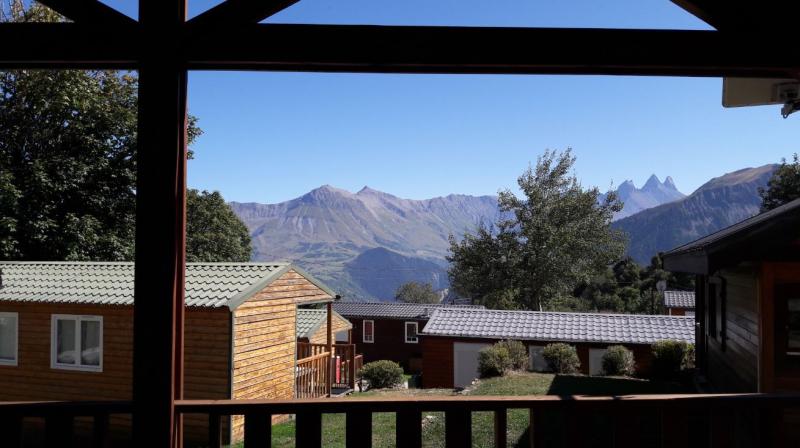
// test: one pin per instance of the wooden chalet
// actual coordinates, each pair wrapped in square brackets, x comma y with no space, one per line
[679,303]
[453,337]
[752,39]
[66,334]
[748,302]
[389,330]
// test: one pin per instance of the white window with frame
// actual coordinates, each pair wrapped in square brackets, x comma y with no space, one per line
[368,331]
[77,342]
[411,332]
[9,334]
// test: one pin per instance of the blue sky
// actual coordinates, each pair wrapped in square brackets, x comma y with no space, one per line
[270,137]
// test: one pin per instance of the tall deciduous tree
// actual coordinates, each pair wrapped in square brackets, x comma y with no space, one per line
[783,187]
[414,292]
[213,231]
[550,239]
[68,167]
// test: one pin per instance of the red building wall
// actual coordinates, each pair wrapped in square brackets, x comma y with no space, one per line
[389,342]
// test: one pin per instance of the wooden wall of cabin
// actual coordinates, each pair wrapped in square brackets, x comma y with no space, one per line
[438,358]
[321,335]
[732,354]
[390,342]
[773,274]
[265,342]
[206,351]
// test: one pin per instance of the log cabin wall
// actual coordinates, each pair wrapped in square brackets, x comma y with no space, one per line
[390,342]
[320,336]
[732,365]
[207,348]
[438,357]
[265,342]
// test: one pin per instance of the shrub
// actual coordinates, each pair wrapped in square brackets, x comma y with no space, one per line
[561,358]
[670,357]
[493,361]
[382,374]
[517,353]
[618,361]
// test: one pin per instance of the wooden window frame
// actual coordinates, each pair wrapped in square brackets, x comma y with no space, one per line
[364,331]
[415,340]
[15,361]
[78,319]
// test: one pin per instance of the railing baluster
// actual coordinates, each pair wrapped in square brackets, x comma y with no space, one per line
[500,428]
[257,430]
[408,428]
[214,430]
[535,434]
[100,431]
[458,428]
[11,430]
[359,429]
[308,429]
[59,430]
[674,427]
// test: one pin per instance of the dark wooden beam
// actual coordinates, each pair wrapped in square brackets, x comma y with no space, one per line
[88,11]
[160,226]
[405,49]
[232,12]
[731,15]
[68,45]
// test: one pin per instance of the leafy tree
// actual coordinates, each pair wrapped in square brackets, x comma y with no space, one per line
[546,242]
[783,187]
[68,167]
[213,232]
[414,292]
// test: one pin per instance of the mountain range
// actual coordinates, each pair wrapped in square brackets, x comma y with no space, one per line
[366,244]
[652,194]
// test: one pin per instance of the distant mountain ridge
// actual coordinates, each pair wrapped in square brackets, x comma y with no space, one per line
[719,203]
[652,194]
[327,230]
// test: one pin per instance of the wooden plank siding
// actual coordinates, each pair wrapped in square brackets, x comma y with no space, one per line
[734,367]
[390,342]
[437,358]
[320,336]
[264,342]
[206,351]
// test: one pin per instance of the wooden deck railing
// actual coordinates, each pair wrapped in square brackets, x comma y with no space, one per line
[345,364]
[312,376]
[631,421]
[59,422]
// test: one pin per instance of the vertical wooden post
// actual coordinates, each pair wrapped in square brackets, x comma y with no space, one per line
[160,226]
[331,361]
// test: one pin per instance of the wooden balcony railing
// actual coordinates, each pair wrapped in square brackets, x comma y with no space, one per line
[345,364]
[312,376]
[664,421]
[747,420]
[59,421]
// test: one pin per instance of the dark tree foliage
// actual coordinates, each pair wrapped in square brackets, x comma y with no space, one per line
[68,167]
[414,292]
[783,187]
[547,241]
[213,232]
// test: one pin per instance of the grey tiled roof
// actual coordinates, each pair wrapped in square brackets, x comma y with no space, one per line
[679,299]
[559,327]
[309,320]
[392,310]
[107,283]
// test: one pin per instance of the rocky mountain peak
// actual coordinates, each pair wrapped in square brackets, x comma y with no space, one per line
[669,183]
[652,184]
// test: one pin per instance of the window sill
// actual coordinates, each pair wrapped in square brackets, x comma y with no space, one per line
[77,368]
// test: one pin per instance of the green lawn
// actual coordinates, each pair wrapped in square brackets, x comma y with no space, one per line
[383,425]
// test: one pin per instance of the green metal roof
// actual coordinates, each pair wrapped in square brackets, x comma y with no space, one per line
[309,320]
[211,285]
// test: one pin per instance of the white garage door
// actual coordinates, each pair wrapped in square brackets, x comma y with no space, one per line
[465,362]
[596,361]
[537,361]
